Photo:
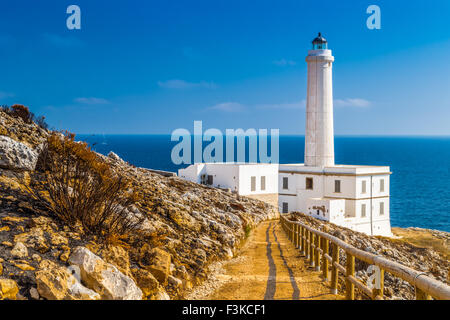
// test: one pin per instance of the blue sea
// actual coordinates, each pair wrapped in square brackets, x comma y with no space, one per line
[420,183]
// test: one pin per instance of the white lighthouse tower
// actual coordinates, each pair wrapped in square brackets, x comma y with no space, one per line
[356,197]
[319,138]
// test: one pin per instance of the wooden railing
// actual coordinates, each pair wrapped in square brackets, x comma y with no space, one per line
[315,246]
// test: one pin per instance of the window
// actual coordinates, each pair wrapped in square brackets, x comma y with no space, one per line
[337,186]
[210,180]
[382,185]
[309,183]
[381,208]
[263,183]
[285,183]
[253,183]
[285,207]
[364,184]
[363,210]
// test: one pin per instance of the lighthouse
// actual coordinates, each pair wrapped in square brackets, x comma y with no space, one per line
[352,196]
[319,137]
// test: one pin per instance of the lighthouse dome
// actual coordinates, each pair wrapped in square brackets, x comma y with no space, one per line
[319,43]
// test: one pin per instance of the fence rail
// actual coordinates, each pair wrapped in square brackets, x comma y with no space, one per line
[315,246]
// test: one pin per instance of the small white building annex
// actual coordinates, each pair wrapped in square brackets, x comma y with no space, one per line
[257,180]
[356,197]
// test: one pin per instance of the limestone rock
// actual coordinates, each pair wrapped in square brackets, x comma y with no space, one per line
[8,289]
[175,282]
[16,155]
[34,294]
[156,261]
[34,239]
[57,283]
[36,257]
[103,277]
[117,256]
[79,292]
[22,265]
[19,250]
[162,295]
[146,282]
[113,156]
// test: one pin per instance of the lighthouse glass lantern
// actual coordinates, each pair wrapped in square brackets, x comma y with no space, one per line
[320,43]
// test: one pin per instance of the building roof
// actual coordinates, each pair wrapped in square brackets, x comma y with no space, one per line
[334,170]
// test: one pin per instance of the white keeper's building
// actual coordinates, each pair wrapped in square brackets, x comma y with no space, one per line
[356,197]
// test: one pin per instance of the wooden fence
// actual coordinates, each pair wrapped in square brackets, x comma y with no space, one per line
[315,245]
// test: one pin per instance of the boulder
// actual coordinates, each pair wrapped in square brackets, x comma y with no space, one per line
[57,283]
[19,250]
[146,281]
[8,289]
[156,261]
[104,278]
[15,155]
[80,292]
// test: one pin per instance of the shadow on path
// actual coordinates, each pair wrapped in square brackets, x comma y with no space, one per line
[296,293]
[272,278]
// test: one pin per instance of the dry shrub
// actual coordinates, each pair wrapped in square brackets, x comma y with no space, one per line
[23,112]
[40,121]
[20,111]
[76,185]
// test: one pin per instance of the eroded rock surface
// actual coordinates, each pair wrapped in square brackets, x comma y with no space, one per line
[104,277]
[15,155]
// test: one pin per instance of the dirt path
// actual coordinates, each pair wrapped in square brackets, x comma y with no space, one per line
[269,268]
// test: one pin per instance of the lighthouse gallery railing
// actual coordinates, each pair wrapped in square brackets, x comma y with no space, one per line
[315,246]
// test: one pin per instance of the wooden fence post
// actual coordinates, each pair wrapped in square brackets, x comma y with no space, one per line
[303,242]
[350,271]
[317,256]
[296,235]
[325,248]
[334,269]
[301,239]
[379,292]
[300,243]
[311,248]
[293,234]
[289,231]
[307,233]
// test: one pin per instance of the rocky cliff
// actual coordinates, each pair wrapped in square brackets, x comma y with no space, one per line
[185,228]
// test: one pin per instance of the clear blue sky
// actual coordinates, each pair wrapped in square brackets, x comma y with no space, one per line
[140,67]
